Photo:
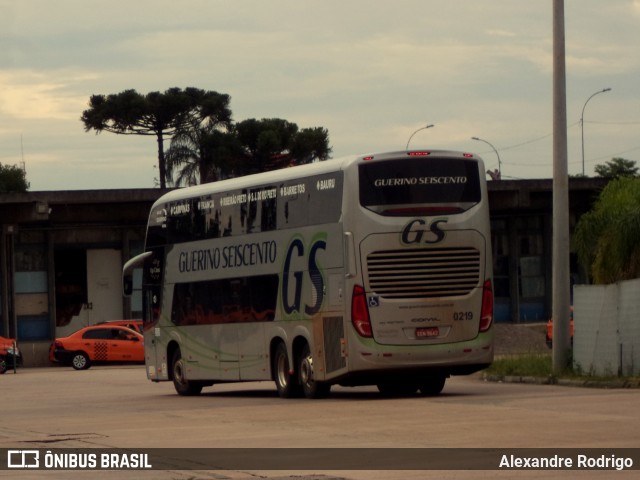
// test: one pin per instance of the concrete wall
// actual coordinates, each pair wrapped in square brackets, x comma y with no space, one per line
[606,338]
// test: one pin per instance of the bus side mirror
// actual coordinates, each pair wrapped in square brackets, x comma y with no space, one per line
[127,272]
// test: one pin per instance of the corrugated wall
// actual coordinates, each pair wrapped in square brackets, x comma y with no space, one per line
[606,338]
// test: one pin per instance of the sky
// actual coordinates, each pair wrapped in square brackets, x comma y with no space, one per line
[371,73]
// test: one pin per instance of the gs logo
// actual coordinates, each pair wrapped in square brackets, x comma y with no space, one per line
[418,231]
[293,275]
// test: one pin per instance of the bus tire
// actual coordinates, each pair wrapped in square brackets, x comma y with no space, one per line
[80,361]
[287,384]
[310,387]
[3,366]
[178,373]
[433,385]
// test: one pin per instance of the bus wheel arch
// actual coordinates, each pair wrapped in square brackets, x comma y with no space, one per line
[171,350]
[311,387]
[284,376]
[272,355]
[178,374]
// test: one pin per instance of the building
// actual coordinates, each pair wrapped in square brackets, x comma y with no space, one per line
[62,255]
[521,231]
[61,259]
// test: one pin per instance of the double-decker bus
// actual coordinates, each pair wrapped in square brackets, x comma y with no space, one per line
[368,270]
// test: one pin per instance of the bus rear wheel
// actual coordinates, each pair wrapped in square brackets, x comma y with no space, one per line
[178,372]
[286,383]
[433,385]
[310,386]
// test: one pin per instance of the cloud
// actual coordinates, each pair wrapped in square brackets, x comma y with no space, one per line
[369,72]
[31,95]
[501,33]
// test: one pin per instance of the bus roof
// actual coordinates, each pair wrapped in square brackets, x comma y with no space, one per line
[255,179]
[298,171]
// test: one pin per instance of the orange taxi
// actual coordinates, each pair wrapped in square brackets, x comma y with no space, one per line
[135,325]
[10,356]
[99,343]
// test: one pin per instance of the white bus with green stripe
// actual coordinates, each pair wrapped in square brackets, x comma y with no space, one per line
[369,270]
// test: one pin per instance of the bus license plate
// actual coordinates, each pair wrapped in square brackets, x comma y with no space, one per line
[427,332]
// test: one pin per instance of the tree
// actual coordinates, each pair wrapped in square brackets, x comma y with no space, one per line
[201,154]
[206,153]
[607,239]
[13,179]
[617,167]
[273,143]
[310,145]
[157,114]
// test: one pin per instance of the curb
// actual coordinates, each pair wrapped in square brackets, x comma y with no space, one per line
[564,382]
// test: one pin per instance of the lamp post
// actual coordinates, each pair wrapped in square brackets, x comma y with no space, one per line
[421,128]
[494,149]
[582,121]
[560,244]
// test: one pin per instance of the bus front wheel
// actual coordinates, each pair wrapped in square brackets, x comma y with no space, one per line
[286,383]
[310,386]
[179,374]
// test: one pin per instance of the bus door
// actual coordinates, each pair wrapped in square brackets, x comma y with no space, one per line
[151,262]
[157,366]
[154,351]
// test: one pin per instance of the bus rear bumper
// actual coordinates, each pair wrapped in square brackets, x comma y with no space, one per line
[369,361]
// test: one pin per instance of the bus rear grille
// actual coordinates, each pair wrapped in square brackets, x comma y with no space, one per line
[424,273]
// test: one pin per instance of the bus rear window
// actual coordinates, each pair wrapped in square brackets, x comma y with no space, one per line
[414,186]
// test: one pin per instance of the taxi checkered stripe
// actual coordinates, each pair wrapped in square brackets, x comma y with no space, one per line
[101,350]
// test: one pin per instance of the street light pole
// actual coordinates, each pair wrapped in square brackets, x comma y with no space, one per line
[494,149]
[560,229]
[582,121]
[421,128]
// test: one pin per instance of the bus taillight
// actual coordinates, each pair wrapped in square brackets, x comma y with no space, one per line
[486,315]
[360,312]
[418,154]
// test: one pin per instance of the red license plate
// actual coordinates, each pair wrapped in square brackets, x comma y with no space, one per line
[427,332]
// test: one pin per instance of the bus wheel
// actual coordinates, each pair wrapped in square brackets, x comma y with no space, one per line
[310,387]
[80,361]
[433,386]
[285,382]
[180,382]
[3,366]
